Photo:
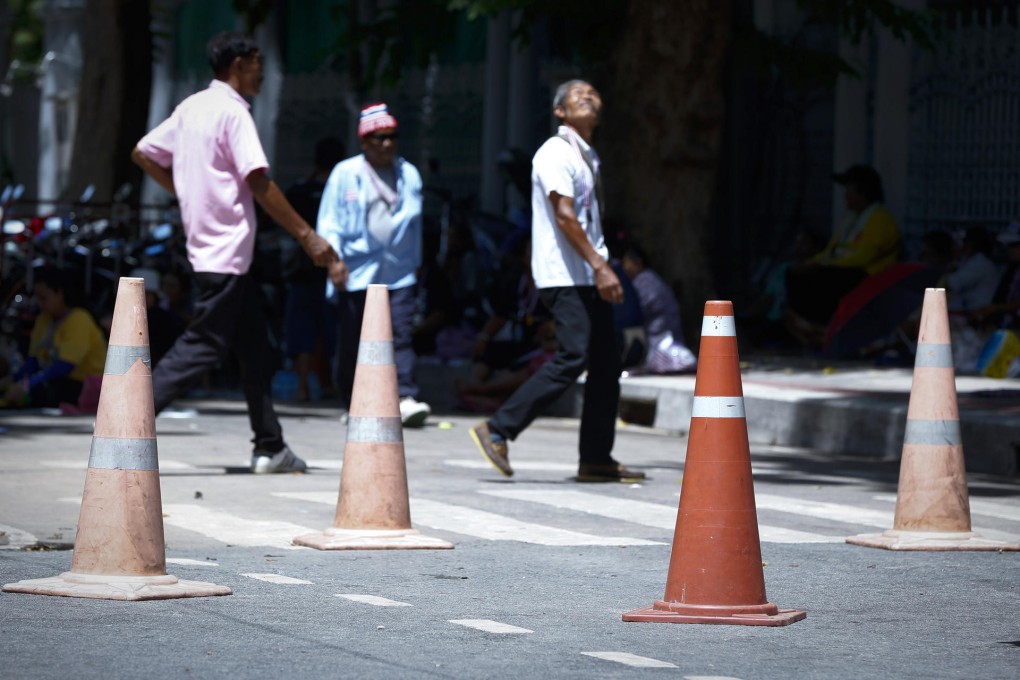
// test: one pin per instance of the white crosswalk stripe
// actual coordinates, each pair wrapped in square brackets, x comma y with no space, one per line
[641,512]
[977,507]
[481,524]
[16,539]
[231,529]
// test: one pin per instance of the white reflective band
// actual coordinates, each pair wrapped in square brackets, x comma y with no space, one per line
[375,352]
[933,355]
[718,325]
[375,429]
[120,358]
[718,407]
[123,454]
[933,432]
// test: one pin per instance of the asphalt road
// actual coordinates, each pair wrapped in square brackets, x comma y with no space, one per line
[542,570]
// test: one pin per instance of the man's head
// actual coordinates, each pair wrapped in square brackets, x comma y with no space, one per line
[377,132]
[236,60]
[863,186]
[577,104]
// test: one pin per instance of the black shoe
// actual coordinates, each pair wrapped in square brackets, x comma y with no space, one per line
[496,452]
[607,472]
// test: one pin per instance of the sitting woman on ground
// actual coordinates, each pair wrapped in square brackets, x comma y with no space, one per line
[66,348]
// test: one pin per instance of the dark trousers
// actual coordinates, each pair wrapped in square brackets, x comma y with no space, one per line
[403,308]
[587,339]
[229,320]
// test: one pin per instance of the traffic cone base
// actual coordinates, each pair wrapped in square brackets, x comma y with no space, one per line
[371,539]
[770,615]
[106,587]
[894,539]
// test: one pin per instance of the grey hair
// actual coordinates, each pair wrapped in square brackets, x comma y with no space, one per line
[562,90]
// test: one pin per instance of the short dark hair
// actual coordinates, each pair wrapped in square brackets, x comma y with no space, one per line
[865,179]
[328,152]
[60,281]
[224,47]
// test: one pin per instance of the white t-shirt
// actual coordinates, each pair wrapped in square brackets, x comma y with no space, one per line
[558,166]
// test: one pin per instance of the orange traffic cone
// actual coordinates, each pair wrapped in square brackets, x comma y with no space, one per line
[932,504]
[715,569]
[119,553]
[373,512]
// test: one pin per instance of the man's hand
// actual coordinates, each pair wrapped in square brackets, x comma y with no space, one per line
[608,284]
[318,249]
[338,273]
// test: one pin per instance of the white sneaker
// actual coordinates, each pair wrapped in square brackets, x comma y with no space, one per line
[263,462]
[413,413]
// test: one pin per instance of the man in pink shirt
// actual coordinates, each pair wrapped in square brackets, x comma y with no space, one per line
[208,154]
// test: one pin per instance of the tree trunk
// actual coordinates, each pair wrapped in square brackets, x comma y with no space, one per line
[113,103]
[662,136]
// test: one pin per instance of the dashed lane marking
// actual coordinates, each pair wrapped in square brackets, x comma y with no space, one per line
[279,579]
[481,524]
[490,626]
[628,659]
[191,563]
[373,600]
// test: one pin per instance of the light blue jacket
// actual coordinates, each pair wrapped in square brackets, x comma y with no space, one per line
[342,221]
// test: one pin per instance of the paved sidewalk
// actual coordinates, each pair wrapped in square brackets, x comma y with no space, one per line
[846,409]
[837,407]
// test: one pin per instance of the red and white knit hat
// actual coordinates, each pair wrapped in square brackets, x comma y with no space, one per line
[375,117]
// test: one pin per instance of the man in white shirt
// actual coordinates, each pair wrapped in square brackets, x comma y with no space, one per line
[576,283]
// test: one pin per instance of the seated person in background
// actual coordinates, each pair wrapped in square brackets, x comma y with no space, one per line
[976,278]
[1004,309]
[511,337]
[666,350]
[65,348]
[437,308]
[164,325]
[865,243]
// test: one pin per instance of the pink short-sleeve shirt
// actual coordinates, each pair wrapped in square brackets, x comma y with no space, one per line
[211,143]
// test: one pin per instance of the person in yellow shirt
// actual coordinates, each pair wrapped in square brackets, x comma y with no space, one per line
[865,243]
[65,348]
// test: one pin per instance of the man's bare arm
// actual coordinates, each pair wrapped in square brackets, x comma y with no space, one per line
[269,196]
[163,176]
[606,281]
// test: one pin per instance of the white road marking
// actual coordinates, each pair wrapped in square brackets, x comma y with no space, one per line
[628,659]
[84,464]
[481,524]
[16,538]
[490,626]
[279,579]
[836,512]
[325,463]
[518,465]
[373,600]
[191,563]
[977,507]
[231,529]
[641,512]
